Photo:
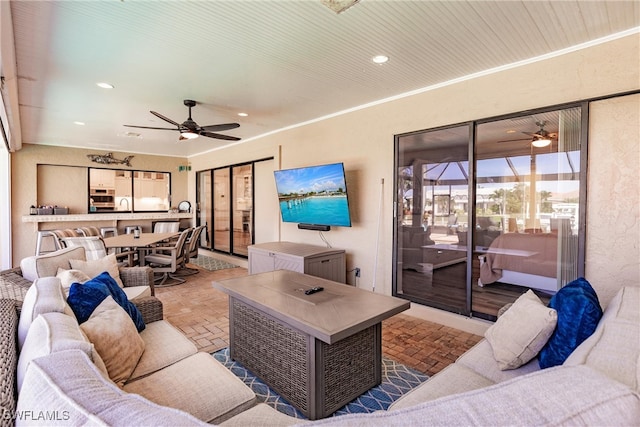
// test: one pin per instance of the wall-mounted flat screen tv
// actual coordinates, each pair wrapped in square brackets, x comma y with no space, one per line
[314,195]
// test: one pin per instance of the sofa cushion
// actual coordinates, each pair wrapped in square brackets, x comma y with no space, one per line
[164,346]
[521,332]
[579,312]
[133,292]
[120,297]
[614,348]
[47,265]
[50,333]
[115,338]
[261,415]
[69,384]
[480,359]
[576,395]
[199,385]
[453,379]
[44,296]
[94,267]
[68,277]
[84,298]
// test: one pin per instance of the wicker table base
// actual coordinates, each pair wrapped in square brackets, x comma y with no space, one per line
[315,377]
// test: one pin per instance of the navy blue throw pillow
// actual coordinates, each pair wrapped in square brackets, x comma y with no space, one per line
[121,299]
[84,298]
[579,312]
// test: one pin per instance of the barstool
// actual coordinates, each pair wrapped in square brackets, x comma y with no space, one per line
[108,231]
[40,239]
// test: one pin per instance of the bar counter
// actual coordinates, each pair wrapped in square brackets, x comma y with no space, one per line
[124,216]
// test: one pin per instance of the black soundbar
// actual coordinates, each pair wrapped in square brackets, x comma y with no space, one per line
[316,227]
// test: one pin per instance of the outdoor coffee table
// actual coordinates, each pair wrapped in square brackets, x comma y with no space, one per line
[318,351]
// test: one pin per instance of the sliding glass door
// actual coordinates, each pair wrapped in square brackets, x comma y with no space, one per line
[490,209]
[226,206]
[433,201]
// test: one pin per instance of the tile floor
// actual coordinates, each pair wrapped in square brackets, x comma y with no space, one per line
[201,312]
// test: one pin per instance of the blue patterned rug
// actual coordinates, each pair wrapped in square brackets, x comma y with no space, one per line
[397,379]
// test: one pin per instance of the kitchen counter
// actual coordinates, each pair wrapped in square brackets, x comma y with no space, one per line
[124,216]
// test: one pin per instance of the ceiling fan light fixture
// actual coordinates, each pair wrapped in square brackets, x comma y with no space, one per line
[541,142]
[188,135]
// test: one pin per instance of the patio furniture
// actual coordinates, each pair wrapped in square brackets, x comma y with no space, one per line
[95,248]
[190,251]
[294,341]
[167,259]
[166,227]
[48,235]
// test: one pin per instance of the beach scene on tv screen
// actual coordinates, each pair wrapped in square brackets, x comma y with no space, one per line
[314,195]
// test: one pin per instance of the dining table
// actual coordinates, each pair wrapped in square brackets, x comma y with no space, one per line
[141,243]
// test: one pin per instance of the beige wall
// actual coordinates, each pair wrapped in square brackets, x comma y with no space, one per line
[28,187]
[363,140]
[613,198]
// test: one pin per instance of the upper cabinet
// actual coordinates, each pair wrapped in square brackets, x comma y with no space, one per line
[102,178]
[151,191]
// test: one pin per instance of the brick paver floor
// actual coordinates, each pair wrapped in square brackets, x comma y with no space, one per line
[201,313]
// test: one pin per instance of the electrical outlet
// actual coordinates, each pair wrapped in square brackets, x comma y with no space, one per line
[357,270]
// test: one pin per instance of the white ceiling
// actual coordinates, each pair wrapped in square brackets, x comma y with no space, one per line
[282,62]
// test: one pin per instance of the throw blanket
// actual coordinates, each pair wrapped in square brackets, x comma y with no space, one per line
[526,253]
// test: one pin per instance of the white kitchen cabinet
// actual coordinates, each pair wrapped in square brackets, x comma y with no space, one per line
[102,178]
[328,263]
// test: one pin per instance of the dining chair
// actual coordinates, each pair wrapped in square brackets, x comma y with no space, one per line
[95,248]
[167,259]
[166,227]
[62,234]
[89,231]
[191,251]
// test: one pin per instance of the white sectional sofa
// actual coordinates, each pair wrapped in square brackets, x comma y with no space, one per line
[64,380]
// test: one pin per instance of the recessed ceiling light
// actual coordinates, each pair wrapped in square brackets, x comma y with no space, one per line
[105,85]
[243,114]
[380,59]
[511,131]
[79,123]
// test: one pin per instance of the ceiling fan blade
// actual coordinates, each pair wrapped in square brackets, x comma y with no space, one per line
[513,140]
[149,127]
[219,136]
[166,119]
[221,127]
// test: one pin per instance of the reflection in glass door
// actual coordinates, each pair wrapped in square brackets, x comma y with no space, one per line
[433,210]
[472,236]
[221,210]
[242,208]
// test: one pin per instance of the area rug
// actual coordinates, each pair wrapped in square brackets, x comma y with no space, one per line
[397,379]
[210,263]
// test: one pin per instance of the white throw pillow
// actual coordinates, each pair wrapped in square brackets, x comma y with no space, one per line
[116,339]
[68,277]
[43,296]
[93,268]
[521,332]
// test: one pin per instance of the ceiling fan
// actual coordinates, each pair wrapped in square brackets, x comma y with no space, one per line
[189,129]
[542,138]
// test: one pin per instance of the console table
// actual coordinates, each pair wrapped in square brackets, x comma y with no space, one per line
[319,351]
[328,263]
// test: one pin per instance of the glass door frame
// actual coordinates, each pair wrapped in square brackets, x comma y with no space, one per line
[472,214]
